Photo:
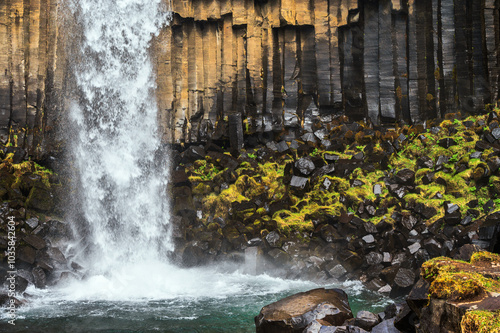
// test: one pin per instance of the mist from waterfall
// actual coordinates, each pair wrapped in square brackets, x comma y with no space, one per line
[121,166]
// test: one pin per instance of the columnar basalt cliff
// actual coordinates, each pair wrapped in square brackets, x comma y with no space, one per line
[277,64]
[291,63]
[31,73]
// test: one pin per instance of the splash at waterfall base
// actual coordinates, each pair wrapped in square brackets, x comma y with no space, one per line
[217,217]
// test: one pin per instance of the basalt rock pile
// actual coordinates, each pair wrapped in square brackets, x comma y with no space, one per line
[347,200]
[31,197]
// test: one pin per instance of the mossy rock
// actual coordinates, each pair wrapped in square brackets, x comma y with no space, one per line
[40,198]
[458,280]
[481,322]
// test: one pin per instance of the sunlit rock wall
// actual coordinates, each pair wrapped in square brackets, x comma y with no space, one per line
[278,64]
[292,63]
[31,72]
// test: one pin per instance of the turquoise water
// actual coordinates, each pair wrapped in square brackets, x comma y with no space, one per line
[50,312]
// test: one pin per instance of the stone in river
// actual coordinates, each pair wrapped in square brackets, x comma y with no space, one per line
[296,312]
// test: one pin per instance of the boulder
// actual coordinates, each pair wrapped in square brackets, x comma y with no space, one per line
[40,198]
[273,239]
[305,166]
[366,320]
[405,177]
[294,313]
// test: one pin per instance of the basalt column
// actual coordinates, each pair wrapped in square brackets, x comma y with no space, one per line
[295,63]
[31,73]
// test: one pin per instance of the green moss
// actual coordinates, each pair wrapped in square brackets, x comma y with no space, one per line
[480,322]
[484,256]
[456,280]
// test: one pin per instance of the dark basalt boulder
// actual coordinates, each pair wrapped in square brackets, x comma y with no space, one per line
[294,313]
[366,320]
[40,198]
[305,166]
[405,177]
[387,326]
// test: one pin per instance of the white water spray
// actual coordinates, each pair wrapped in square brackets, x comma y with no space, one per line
[122,171]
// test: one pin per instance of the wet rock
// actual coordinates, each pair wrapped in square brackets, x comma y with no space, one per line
[36,241]
[329,234]
[466,251]
[450,208]
[405,177]
[488,206]
[32,222]
[193,153]
[26,254]
[419,296]
[476,154]
[23,279]
[336,271]
[40,198]
[279,257]
[357,183]
[404,278]
[179,177]
[496,133]
[374,258]
[369,239]
[296,312]
[274,239]
[387,326]
[425,162]
[366,320]
[39,278]
[56,255]
[305,166]
[434,248]
[282,146]
[377,189]
[453,218]
[405,320]
[409,221]
[414,247]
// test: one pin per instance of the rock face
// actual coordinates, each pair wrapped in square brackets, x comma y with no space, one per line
[32,73]
[269,65]
[296,312]
[292,63]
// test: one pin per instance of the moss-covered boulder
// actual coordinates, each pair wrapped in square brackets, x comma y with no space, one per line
[40,198]
[461,296]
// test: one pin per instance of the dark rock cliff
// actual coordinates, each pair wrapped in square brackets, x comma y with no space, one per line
[31,74]
[279,64]
[290,63]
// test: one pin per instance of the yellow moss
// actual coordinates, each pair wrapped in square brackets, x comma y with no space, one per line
[219,204]
[300,220]
[480,322]
[202,188]
[447,280]
[249,187]
[484,256]
[261,211]
[457,286]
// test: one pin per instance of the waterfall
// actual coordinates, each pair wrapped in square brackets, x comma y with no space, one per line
[122,169]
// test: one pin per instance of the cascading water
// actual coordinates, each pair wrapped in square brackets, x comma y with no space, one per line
[123,174]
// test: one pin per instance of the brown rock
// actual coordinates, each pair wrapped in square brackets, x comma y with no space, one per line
[294,313]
